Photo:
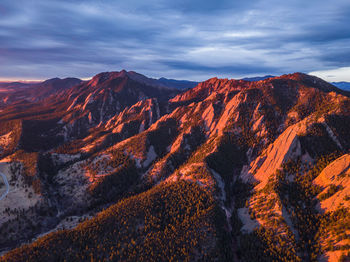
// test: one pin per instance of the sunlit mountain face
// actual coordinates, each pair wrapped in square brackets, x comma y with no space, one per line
[124,168]
[174,131]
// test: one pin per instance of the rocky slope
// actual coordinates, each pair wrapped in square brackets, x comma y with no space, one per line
[261,166]
[33,92]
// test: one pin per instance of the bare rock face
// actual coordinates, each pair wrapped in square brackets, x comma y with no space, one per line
[259,168]
[336,174]
[286,147]
[334,184]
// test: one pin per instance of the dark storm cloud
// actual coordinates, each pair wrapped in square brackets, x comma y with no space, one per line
[237,68]
[339,56]
[179,39]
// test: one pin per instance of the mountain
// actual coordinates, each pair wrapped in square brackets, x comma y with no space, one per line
[69,113]
[18,92]
[342,85]
[120,168]
[13,92]
[257,78]
[179,84]
[10,86]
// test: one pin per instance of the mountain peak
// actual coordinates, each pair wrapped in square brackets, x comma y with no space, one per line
[313,81]
[235,153]
[106,76]
[52,80]
[61,81]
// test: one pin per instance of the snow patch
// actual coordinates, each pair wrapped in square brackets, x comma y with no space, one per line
[248,224]
[151,156]
[18,195]
[142,127]
[332,135]
[64,158]
[220,183]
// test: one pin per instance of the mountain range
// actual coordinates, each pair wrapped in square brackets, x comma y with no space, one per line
[128,168]
[342,85]
[257,78]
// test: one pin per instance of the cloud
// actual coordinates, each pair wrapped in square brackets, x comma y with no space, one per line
[180,39]
[333,75]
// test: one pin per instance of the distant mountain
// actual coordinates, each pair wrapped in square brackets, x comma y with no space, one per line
[342,85]
[70,107]
[179,84]
[9,87]
[11,92]
[257,78]
[14,84]
[33,92]
[121,168]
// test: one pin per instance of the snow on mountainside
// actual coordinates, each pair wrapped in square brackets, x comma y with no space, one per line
[228,170]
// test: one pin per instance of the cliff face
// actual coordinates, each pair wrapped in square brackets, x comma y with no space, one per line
[334,184]
[262,166]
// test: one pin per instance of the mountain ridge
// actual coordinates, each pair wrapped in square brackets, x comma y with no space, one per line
[246,155]
[342,85]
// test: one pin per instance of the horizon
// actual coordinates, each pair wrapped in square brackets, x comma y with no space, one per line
[33,81]
[192,40]
[102,159]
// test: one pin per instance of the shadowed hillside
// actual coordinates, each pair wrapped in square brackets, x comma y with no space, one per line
[120,168]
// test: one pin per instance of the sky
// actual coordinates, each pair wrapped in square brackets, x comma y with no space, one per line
[181,39]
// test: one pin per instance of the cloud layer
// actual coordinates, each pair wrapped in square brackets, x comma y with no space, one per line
[177,39]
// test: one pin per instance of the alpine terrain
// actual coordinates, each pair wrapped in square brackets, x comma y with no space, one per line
[127,168]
